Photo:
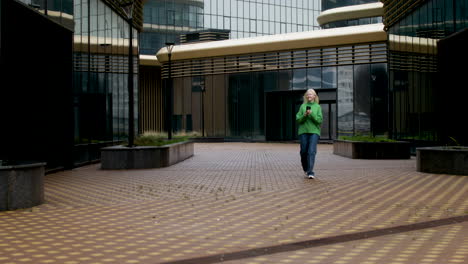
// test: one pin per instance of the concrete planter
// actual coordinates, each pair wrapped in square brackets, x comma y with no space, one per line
[145,157]
[443,160]
[372,150]
[21,186]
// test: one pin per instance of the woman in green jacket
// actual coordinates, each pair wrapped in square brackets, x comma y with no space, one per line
[310,120]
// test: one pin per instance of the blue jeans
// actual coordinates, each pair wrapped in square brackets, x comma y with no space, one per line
[308,151]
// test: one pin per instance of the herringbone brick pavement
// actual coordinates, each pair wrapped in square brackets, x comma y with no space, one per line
[245,203]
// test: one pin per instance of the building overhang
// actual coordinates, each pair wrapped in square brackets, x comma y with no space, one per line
[412,44]
[149,60]
[103,45]
[350,12]
[291,41]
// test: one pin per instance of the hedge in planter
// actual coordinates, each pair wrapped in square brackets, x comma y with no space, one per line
[152,150]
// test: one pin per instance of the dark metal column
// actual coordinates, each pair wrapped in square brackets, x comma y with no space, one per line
[131,116]
[170,93]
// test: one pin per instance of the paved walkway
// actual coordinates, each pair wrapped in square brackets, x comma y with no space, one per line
[245,203]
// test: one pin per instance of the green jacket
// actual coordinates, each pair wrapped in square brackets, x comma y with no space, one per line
[311,123]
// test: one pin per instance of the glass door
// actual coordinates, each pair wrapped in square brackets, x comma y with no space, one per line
[329,120]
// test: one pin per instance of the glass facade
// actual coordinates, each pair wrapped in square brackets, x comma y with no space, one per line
[166,20]
[413,74]
[36,76]
[353,22]
[74,88]
[329,4]
[434,19]
[101,69]
[60,11]
[258,104]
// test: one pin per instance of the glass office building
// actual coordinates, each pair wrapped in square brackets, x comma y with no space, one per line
[101,69]
[70,95]
[245,89]
[420,93]
[73,88]
[251,89]
[36,82]
[398,94]
[166,20]
[170,21]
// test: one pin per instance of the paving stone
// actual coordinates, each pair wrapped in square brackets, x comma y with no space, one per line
[244,203]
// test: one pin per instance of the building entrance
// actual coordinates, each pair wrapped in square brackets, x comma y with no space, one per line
[280,116]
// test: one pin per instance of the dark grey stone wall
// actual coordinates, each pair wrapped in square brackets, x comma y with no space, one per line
[21,186]
[443,160]
[372,150]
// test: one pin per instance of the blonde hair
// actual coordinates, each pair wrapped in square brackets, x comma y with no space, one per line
[316,98]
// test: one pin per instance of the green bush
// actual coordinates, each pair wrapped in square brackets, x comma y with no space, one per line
[152,138]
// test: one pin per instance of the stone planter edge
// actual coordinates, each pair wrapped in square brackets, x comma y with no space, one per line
[22,185]
[442,160]
[145,157]
[372,150]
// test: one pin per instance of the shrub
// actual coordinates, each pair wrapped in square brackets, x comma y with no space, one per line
[152,138]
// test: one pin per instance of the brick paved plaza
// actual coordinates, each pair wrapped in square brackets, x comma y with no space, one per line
[245,203]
